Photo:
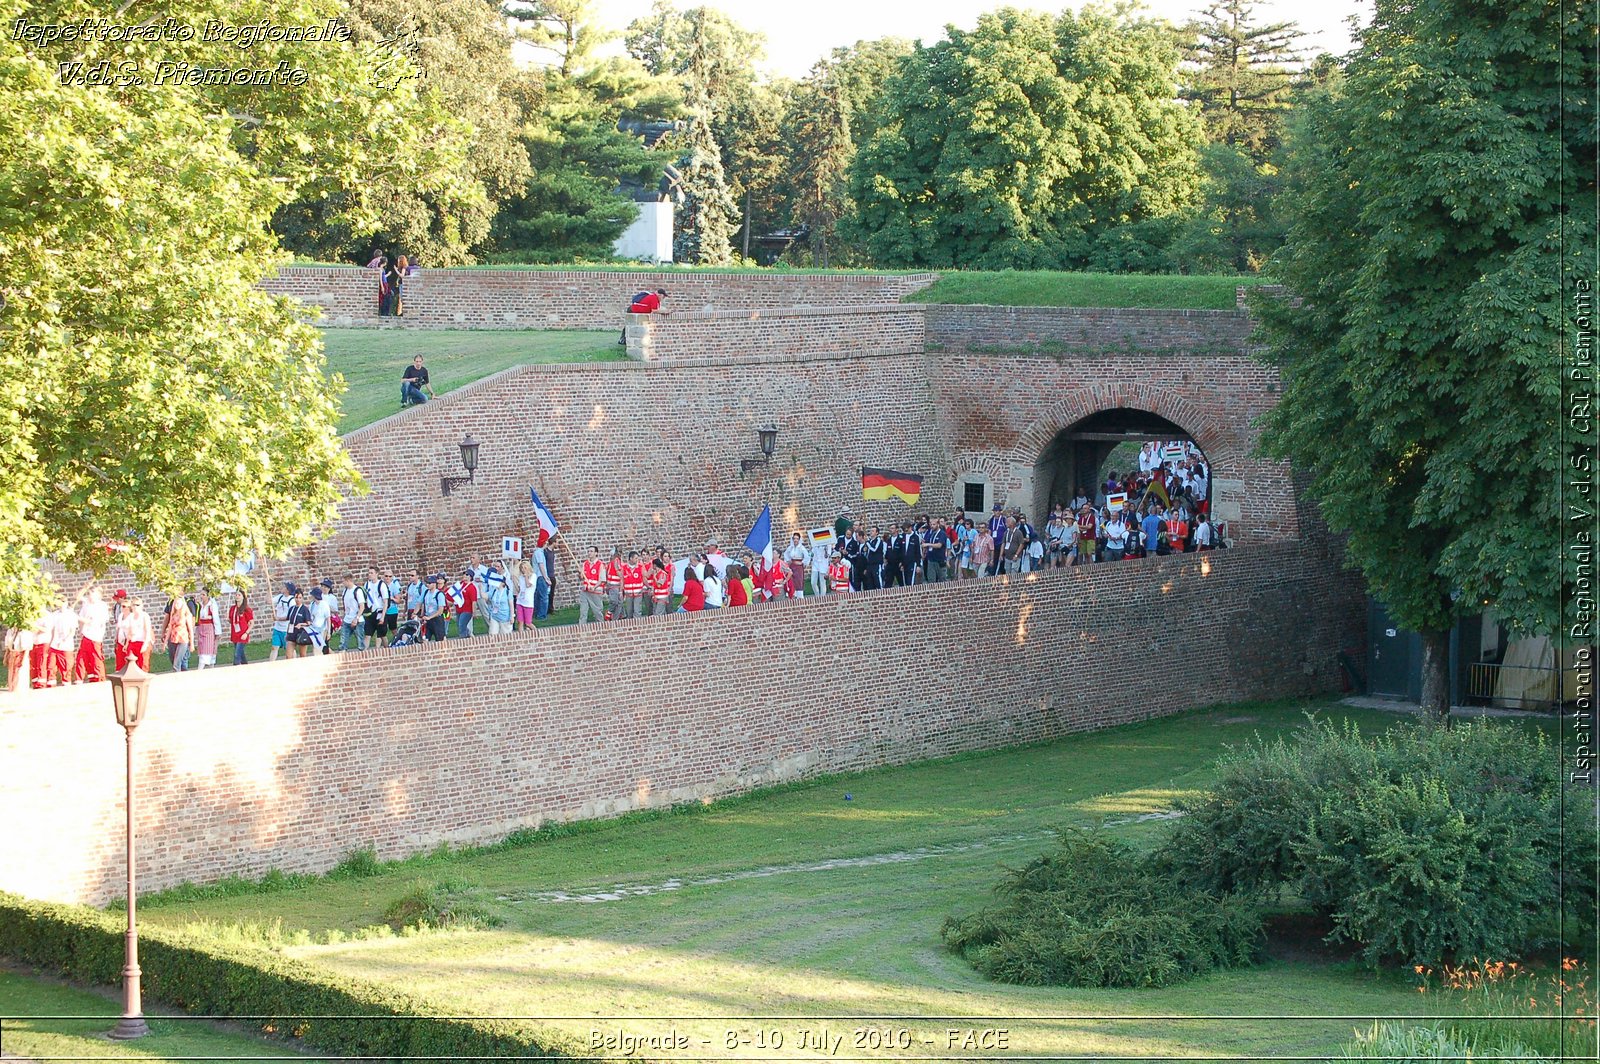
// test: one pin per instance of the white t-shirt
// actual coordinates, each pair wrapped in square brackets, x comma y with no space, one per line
[64,629]
[93,619]
[280,612]
[1116,535]
[320,616]
[713,588]
[527,587]
[820,556]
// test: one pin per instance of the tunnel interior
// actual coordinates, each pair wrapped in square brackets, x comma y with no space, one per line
[1077,456]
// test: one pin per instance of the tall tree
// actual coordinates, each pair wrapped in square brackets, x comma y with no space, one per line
[1241,74]
[463,55]
[820,152]
[713,59]
[1017,143]
[863,70]
[577,201]
[161,411]
[1421,361]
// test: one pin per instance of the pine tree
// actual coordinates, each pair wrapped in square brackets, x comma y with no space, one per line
[820,152]
[706,224]
[1241,76]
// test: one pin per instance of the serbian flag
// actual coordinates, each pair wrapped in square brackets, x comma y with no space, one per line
[547,522]
[890,484]
[760,538]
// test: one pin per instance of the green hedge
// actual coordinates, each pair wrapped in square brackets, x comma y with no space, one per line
[277,992]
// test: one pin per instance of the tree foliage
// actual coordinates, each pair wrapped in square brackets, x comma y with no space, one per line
[1421,375]
[575,203]
[820,152]
[158,404]
[1018,143]
[1241,76]
[463,54]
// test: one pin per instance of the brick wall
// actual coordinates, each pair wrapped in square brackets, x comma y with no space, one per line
[1000,412]
[779,334]
[633,453]
[569,299]
[1012,330]
[403,750]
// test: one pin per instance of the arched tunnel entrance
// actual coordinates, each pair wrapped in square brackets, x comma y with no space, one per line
[1081,455]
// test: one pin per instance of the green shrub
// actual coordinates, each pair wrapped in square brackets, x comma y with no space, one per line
[351,1018]
[357,864]
[439,905]
[1422,844]
[1400,1044]
[1095,913]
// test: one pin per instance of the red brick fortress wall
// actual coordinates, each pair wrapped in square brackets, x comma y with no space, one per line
[1017,330]
[781,333]
[464,742]
[569,299]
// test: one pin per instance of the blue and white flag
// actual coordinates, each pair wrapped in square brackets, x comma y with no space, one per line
[760,537]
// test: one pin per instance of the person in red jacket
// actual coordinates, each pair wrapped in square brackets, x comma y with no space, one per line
[464,596]
[591,587]
[632,586]
[239,617]
[614,584]
[660,585]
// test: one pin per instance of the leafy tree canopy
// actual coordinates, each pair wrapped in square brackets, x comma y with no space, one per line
[462,52]
[160,411]
[1015,144]
[1440,197]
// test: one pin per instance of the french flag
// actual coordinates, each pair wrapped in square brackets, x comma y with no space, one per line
[547,523]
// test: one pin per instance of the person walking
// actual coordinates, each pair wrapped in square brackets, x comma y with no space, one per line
[660,586]
[435,603]
[178,634]
[19,644]
[239,617]
[93,617]
[137,633]
[526,585]
[207,629]
[353,608]
[497,602]
[591,587]
[375,612]
[321,605]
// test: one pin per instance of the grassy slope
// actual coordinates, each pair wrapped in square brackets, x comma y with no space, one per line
[1046,288]
[373,359]
[84,1039]
[857,940]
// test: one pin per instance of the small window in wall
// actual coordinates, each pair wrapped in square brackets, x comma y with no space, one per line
[972,497]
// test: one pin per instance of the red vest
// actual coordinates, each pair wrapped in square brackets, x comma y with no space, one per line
[594,575]
[660,584]
[633,579]
[839,576]
[614,571]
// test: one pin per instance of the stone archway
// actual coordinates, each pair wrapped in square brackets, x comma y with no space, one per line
[1056,451]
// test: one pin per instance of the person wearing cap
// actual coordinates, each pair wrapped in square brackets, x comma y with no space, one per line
[838,574]
[281,605]
[435,621]
[843,524]
[321,618]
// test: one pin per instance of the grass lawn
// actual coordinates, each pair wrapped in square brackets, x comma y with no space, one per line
[824,900]
[85,1039]
[373,359]
[1048,288]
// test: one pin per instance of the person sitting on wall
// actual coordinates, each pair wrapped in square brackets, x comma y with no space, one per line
[643,303]
[413,382]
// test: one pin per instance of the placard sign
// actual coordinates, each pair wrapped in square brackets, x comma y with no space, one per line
[511,547]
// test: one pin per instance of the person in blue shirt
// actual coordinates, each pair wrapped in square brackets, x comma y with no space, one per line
[1151,528]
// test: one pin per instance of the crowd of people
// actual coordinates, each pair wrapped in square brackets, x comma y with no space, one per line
[1160,508]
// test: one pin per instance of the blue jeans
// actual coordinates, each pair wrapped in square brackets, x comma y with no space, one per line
[238,653]
[410,393]
[463,625]
[541,600]
[178,655]
[350,635]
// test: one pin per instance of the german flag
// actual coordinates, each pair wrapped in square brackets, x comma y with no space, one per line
[890,484]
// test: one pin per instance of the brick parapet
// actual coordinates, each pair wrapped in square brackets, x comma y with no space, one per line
[1149,332]
[778,334]
[567,299]
[465,742]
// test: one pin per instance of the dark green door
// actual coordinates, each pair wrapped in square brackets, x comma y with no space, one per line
[1389,655]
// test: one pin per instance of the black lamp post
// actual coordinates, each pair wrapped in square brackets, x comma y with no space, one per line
[130,691]
[769,441]
[469,462]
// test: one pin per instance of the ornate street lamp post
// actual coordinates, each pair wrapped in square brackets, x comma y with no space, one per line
[130,691]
